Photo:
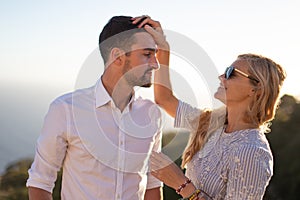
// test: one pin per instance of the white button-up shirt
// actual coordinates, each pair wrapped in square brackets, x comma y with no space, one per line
[103,152]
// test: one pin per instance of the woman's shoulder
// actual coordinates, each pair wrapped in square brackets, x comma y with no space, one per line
[248,140]
[188,114]
[252,140]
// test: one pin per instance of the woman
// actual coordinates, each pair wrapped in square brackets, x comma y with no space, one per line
[228,155]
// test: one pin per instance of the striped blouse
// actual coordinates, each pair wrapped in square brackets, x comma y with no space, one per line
[233,166]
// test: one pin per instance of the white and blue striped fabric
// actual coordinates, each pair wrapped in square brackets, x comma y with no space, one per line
[230,166]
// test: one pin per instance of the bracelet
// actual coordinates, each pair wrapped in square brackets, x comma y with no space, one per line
[193,196]
[183,186]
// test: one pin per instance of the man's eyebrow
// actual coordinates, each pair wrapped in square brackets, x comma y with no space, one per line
[150,49]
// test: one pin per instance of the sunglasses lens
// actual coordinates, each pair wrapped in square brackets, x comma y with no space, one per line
[228,72]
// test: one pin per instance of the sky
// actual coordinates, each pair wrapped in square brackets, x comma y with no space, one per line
[46,43]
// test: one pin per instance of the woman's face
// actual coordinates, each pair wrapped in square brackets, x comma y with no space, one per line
[237,89]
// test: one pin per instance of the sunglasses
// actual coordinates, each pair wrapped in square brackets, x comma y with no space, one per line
[231,69]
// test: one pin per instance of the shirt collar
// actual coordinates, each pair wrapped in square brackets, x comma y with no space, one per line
[103,97]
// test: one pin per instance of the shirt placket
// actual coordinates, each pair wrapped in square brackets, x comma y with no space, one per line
[121,160]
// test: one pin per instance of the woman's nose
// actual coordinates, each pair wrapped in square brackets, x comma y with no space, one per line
[222,77]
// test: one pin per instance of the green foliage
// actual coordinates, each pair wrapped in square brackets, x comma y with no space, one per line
[285,143]
[13,182]
[284,140]
[173,145]
[16,175]
[57,188]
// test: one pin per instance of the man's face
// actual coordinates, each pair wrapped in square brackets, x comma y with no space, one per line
[141,61]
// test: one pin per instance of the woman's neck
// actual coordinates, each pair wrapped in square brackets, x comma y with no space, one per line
[236,121]
[237,127]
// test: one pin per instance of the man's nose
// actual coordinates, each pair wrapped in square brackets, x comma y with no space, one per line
[154,64]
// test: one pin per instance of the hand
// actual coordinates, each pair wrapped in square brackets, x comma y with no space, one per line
[164,169]
[154,29]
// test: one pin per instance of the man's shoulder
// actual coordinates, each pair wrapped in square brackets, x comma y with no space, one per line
[76,95]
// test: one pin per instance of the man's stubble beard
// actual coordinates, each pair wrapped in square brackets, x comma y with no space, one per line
[132,80]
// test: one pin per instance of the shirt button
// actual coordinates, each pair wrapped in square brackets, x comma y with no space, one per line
[121,142]
[118,196]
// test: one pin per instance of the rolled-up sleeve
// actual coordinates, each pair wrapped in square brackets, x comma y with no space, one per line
[50,149]
[187,117]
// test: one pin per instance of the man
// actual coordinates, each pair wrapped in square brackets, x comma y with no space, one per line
[102,136]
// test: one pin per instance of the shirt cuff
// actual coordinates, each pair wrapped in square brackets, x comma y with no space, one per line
[40,185]
[153,182]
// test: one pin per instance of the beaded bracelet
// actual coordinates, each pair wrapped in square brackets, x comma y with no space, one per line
[183,186]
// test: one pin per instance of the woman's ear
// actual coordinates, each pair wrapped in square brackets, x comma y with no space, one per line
[252,92]
[255,92]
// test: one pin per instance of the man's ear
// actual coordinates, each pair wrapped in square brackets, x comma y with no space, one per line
[117,56]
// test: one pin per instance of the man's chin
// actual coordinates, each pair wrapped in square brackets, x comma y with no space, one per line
[147,85]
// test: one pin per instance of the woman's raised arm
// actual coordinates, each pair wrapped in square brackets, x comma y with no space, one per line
[162,86]
[163,93]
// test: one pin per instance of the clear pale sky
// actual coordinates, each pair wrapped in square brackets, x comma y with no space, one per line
[46,42]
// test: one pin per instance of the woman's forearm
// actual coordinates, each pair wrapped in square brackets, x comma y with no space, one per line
[162,88]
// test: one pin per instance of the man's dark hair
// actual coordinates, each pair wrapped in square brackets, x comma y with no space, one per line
[122,29]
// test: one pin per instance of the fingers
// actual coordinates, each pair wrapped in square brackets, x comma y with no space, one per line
[145,19]
[159,161]
[156,174]
[140,21]
[155,169]
[136,20]
[154,29]
[139,18]
[160,157]
[154,164]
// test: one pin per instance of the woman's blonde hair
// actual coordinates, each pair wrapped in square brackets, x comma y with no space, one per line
[261,112]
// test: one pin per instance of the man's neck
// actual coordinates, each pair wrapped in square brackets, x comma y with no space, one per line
[119,90]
